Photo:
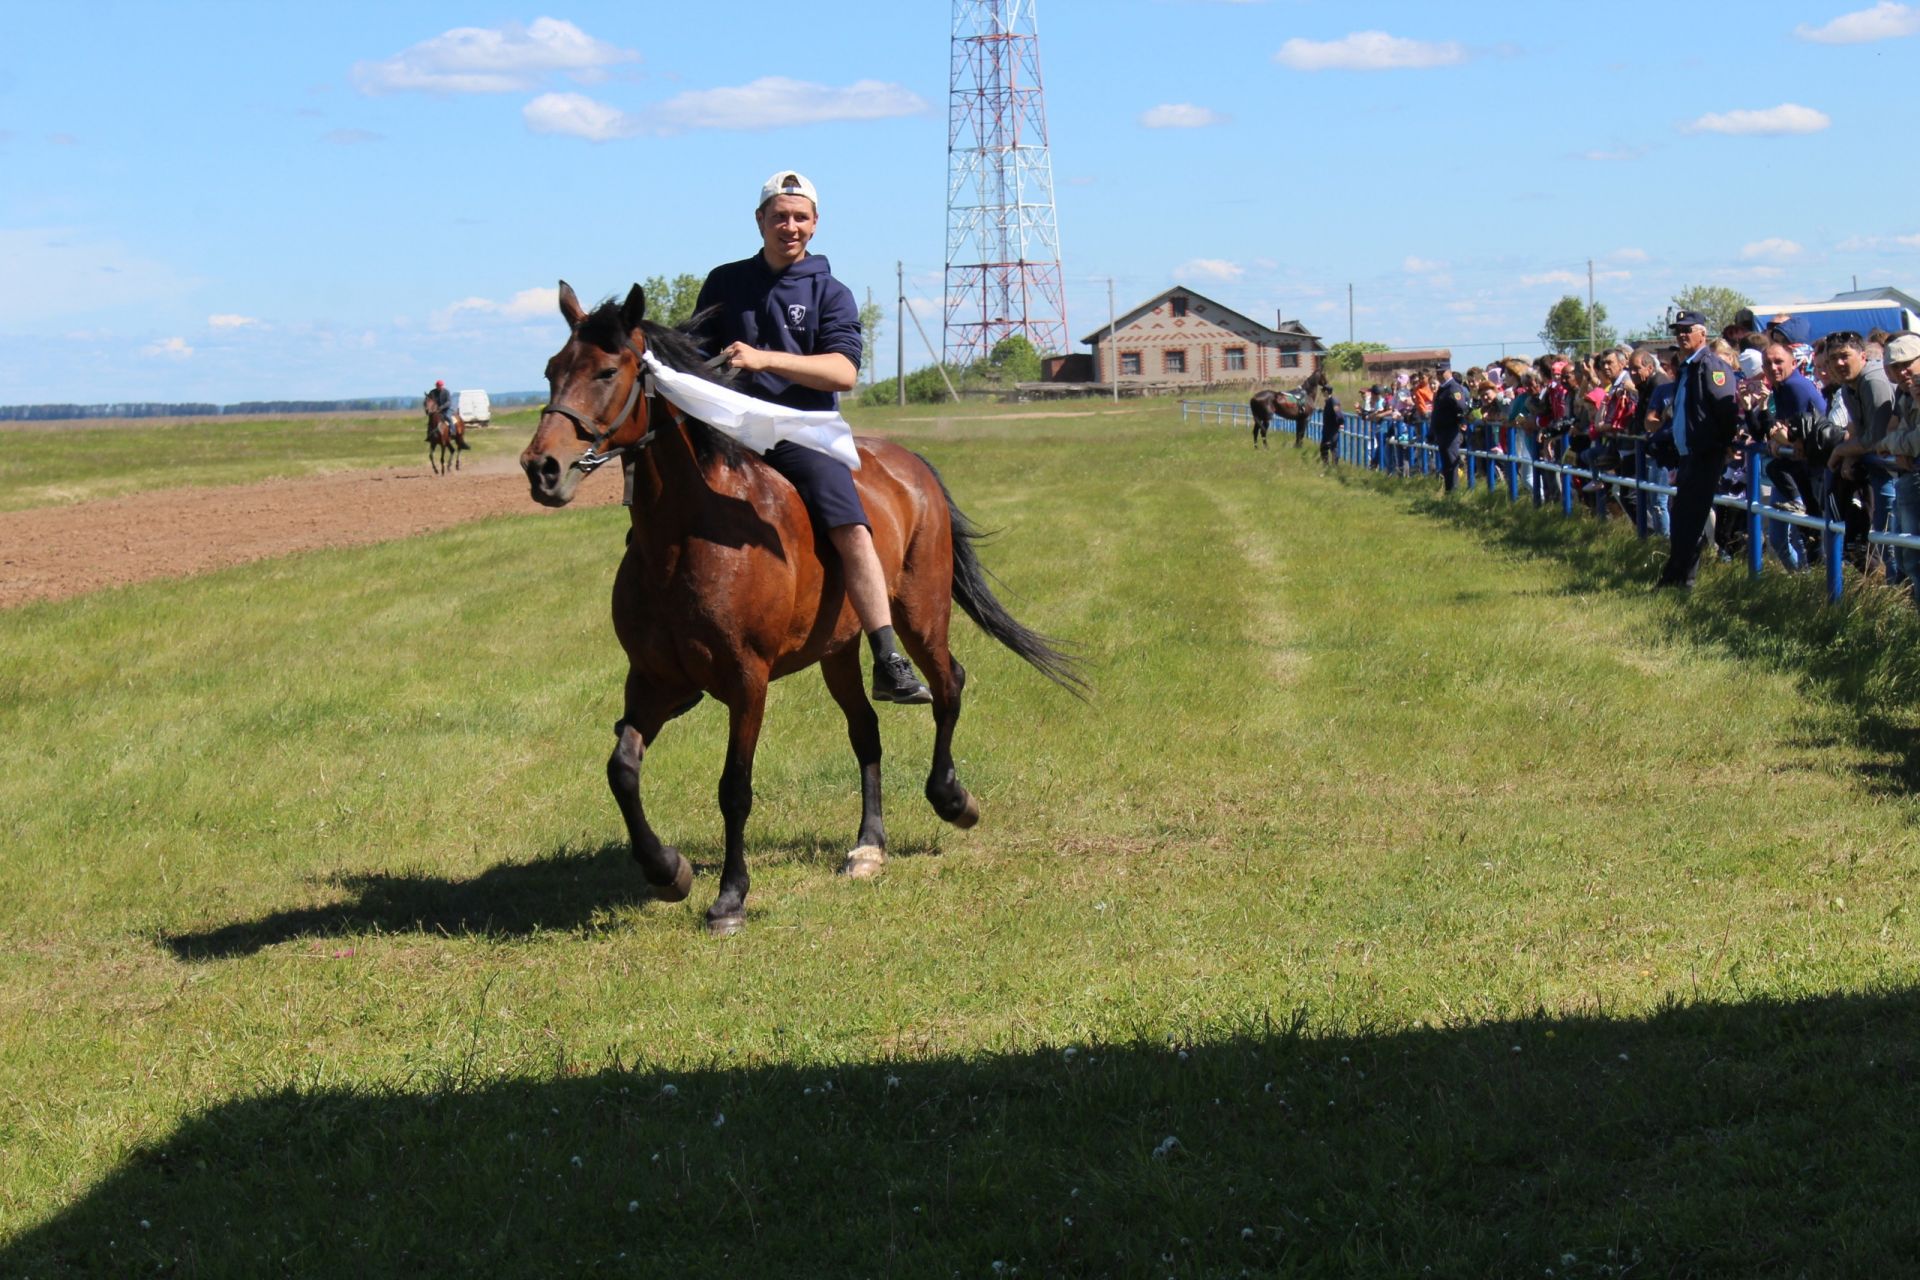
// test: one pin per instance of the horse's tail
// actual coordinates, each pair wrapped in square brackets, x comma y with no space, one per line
[973,594]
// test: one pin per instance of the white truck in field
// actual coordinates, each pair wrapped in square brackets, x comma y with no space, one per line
[474,409]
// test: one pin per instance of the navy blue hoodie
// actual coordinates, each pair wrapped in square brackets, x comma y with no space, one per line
[802,310]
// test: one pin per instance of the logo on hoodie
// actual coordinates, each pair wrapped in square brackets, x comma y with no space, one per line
[796,314]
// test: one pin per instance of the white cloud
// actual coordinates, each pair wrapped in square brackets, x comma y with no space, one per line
[1179,115]
[1369,51]
[575,115]
[770,102]
[1908,242]
[1882,22]
[1573,278]
[1209,269]
[1630,255]
[1616,155]
[509,59]
[230,321]
[1786,118]
[169,348]
[775,101]
[1773,247]
[528,304]
[1422,266]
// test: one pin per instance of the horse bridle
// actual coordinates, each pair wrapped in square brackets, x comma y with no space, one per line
[592,460]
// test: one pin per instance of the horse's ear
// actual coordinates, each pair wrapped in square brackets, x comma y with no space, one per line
[570,307]
[634,309]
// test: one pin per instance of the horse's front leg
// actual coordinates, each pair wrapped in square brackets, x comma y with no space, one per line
[746,707]
[646,710]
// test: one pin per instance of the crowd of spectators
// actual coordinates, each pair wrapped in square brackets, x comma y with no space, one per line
[1837,424]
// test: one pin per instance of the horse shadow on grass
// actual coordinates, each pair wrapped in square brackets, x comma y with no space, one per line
[1863,654]
[571,890]
[1746,1139]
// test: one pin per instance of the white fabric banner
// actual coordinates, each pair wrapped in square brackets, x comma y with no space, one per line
[757,424]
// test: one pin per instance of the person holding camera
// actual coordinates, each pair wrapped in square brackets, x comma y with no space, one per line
[1788,425]
[1902,365]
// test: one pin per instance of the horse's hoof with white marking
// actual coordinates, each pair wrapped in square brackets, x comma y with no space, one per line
[864,863]
[727,925]
[680,886]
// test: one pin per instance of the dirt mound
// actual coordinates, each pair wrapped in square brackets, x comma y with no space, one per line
[56,552]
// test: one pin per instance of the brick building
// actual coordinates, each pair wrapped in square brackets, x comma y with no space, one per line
[1381,366]
[1181,338]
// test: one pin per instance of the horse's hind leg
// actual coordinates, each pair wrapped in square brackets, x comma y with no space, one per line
[670,874]
[842,672]
[945,679]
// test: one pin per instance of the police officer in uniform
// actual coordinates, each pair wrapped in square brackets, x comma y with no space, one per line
[782,319]
[1705,416]
[1449,416]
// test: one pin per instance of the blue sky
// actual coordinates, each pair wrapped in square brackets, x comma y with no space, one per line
[226,201]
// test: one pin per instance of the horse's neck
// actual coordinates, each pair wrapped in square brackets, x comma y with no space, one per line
[669,479]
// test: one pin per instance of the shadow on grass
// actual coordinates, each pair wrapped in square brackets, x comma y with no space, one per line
[1764,1138]
[568,891]
[1862,654]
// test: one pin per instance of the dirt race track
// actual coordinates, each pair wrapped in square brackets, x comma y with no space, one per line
[56,552]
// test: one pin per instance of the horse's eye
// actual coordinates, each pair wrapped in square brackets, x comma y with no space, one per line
[605,374]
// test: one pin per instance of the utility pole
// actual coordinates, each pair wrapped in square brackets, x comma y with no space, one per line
[1349,315]
[864,344]
[1113,346]
[900,335]
[1590,324]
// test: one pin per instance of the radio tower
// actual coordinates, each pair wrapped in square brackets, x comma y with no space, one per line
[1003,245]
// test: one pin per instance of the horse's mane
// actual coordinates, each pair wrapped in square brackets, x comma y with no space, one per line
[679,349]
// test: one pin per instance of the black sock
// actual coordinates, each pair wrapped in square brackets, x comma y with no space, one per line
[882,643]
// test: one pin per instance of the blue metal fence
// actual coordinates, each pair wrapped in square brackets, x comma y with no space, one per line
[1404,449]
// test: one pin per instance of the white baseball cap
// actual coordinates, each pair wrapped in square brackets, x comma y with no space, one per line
[786,182]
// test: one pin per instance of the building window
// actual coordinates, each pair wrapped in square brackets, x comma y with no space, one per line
[1130,363]
[1236,359]
[1179,305]
[1290,356]
[1176,362]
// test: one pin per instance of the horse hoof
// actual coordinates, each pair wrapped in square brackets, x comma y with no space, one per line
[680,886]
[727,925]
[969,815]
[864,863]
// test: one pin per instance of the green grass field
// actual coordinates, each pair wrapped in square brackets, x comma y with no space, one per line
[1417,892]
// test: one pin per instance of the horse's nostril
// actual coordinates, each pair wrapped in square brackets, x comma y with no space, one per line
[550,470]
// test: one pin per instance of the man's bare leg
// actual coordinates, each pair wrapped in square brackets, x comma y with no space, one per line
[894,679]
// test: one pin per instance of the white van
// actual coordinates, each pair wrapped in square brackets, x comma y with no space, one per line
[474,409]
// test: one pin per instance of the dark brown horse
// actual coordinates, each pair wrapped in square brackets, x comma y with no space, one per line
[1268,405]
[726,585]
[446,437]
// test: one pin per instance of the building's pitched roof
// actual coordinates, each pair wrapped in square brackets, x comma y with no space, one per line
[1885,293]
[1289,328]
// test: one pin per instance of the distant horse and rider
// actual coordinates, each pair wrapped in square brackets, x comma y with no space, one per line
[726,584]
[1298,406]
[446,431]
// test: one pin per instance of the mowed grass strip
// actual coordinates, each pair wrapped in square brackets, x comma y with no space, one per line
[1443,906]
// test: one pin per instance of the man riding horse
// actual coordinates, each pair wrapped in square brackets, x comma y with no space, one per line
[783,320]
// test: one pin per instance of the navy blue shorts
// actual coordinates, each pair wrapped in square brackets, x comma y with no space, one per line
[826,486]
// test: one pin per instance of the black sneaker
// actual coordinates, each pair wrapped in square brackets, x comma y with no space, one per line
[894,681]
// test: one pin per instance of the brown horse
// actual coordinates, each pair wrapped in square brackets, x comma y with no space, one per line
[446,437]
[726,585]
[1268,405]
